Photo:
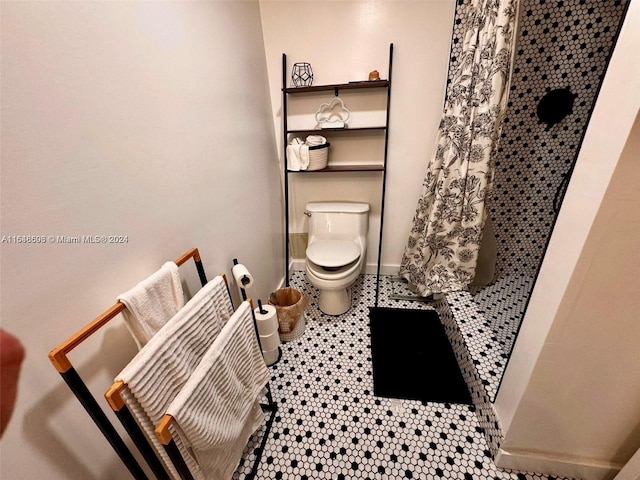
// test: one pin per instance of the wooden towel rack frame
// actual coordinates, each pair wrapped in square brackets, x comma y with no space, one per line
[59,358]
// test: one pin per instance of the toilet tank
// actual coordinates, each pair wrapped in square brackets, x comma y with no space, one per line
[338,220]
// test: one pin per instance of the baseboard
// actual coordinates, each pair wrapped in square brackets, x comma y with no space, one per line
[561,466]
[297,265]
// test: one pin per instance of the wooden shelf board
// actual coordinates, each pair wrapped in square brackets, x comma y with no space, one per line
[339,86]
[334,130]
[344,168]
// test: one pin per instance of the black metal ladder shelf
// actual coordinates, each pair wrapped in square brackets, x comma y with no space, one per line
[381,166]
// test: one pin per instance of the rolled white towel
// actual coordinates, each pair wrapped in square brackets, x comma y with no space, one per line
[313,140]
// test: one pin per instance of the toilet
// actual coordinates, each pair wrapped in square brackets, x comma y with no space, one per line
[336,251]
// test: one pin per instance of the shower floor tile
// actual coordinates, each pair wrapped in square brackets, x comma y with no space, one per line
[503,304]
[329,425]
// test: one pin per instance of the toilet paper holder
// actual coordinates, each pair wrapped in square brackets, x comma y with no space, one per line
[243,278]
[261,309]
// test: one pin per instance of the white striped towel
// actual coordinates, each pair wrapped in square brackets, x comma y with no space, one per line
[158,372]
[218,409]
[152,302]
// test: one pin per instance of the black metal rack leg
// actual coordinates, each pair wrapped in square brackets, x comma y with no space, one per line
[89,403]
[201,274]
[178,461]
[140,440]
[273,408]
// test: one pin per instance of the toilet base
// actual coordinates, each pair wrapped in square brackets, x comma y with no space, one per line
[335,302]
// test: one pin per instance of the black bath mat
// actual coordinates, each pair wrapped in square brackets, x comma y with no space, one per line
[412,357]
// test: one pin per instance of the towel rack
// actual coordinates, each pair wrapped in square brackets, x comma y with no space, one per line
[59,359]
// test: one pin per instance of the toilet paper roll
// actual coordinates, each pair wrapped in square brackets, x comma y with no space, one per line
[243,278]
[271,356]
[270,342]
[268,321]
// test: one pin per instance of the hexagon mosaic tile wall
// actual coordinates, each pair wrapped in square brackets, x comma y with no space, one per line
[561,44]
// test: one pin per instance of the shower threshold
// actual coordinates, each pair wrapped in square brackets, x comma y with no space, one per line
[401,290]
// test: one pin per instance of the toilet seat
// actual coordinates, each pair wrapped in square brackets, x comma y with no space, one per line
[333,254]
[333,274]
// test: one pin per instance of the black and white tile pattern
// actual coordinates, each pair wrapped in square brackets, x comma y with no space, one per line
[330,425]
[503,304]
[561,44]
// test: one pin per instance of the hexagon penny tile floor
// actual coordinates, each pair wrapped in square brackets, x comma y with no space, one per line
[329,425]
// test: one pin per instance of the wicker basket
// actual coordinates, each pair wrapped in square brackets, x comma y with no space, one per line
[318,156]
[290,306]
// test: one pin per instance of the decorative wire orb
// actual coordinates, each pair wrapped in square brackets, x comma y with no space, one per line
[302,75]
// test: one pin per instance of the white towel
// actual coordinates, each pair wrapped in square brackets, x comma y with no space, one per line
[152,302]
[293,158]
[155,376]
[304,157]
[218,409]
[293,155]
[313,140]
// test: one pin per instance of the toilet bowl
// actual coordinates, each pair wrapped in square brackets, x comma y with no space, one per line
[336,251]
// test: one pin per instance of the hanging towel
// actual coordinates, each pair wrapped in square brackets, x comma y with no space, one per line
[152,302]
[218,409]
[293,158]
[304,157]
[293,155]
[161,368]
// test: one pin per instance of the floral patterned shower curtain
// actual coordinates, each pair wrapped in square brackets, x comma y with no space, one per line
[443,245]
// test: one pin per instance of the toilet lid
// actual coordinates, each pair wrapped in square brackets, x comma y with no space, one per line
[333,253]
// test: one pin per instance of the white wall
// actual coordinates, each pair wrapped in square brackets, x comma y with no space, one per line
[344,41]
[145,119]
[570,398]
